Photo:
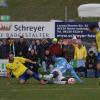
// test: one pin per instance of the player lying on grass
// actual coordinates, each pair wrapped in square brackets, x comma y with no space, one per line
[16,66]
[62,67]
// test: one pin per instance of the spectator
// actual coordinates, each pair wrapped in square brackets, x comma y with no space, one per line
[44,46]
[38,48]
[4,49]
[74,40]
[93,48]
[55,48]
[33,56]
[22,48]
[80,51]
[11,47]
[47,62]
[68,51]
[32,46]
[60,42]
[80,56]
[91,62]
[0,49]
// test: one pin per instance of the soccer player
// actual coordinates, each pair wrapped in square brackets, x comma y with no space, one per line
[16,66]
[95,30]
[61,68]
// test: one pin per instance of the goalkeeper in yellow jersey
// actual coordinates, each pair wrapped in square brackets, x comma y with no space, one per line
[16,66]
[95,30]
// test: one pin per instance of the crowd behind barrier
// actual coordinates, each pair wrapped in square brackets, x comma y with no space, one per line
[81,57]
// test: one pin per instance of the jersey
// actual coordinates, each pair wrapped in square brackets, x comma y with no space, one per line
[61,64]
[98,40]
[16,67]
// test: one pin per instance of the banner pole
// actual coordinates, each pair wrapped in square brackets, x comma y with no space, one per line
[66,13]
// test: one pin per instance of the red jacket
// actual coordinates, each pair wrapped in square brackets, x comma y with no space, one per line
[55,49]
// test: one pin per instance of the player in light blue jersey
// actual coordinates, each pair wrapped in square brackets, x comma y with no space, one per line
[58,74]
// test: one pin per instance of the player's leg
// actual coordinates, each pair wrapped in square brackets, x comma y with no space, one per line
[48,77]
[22,79]
[55,77]
[53,74]
[34,69]
[62,81]
[35,75]
[73,73]
[58,78]
[32,74]
[98,66]
[98,61]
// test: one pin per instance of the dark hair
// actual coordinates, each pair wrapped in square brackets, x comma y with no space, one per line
[21,36]
[8,38]
[11,53]
[92,27]
[91,52]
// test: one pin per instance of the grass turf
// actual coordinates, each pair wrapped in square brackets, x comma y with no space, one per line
[44,10]
[34,91]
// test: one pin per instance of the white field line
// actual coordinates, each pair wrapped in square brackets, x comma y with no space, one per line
[22,90]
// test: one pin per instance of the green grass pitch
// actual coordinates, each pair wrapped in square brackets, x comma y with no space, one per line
[34,91]
[44,10]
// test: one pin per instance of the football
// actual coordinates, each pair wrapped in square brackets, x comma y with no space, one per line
[71,81]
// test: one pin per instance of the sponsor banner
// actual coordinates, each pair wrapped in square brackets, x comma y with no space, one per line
[79,29]
[27,29]
[99,24]
[3,67]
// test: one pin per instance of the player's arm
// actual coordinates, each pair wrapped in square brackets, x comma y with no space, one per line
[23,60]
[30,61]
[8,76]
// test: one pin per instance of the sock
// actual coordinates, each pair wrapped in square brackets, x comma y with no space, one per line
[48,77]
[59,82]
[36,76]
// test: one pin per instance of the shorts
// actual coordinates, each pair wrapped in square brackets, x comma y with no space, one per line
[98,57]
[23,76]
